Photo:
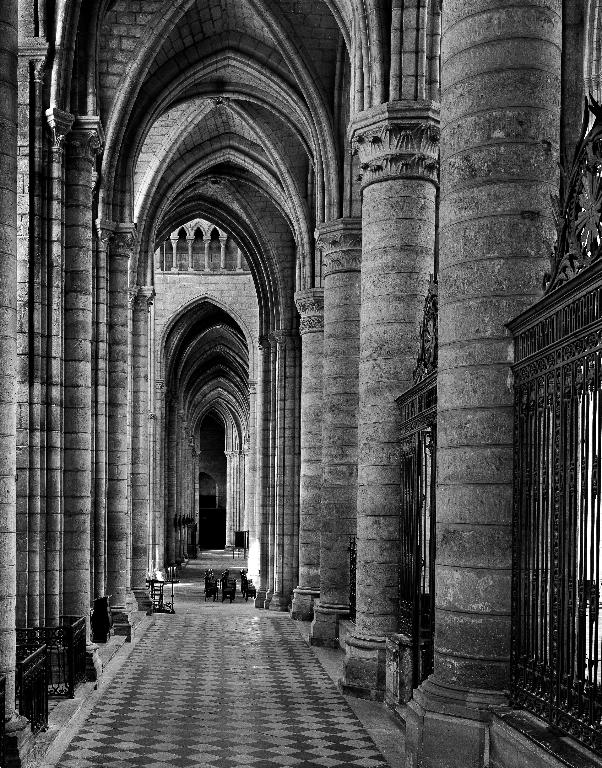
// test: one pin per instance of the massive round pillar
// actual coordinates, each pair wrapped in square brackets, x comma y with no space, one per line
[83,143]
[310,304]
[341,245]
[398,149]
[500,118]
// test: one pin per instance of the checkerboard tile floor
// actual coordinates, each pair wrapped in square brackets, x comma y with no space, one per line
[213,688]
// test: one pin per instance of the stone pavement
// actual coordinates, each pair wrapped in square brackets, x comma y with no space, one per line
[220,686]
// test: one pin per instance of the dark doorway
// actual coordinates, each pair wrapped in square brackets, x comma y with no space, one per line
[212,528]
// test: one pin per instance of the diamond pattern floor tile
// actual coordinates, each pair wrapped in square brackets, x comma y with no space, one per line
[221,689]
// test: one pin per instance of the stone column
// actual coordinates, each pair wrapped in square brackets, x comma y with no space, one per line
[140,446]
[100,420]
[398,148]
[222,253]
[286,502]
[500,118]
[169,461]
[239,260]
[84,142]
[8,344]
[174,251]
[160,423]
[262,481]
[310,304]
[229,497]
[341,245]
[207,245]
[60,124]
[190,244]
[251,484]
[118,524]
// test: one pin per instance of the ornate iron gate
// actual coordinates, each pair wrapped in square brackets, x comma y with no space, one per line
[556,627]
[417,524]
[417,515]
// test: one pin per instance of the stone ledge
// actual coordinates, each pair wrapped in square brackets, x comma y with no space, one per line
[518,738]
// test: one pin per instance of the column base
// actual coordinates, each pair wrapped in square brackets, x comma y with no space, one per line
[364,668]
[260,599]
[324,630]
[448,726]
[399,670]
[18,742]
[302,607]
[143,601]
[268,599]
[93,663]
[278,603]
[122,623]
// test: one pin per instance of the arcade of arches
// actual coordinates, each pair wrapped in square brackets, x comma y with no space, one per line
[234,236]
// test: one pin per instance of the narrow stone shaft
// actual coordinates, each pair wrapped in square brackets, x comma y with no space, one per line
[398,146]
[170,483]
[251,484]
[285,539]
[59,123]
[261,485]
[190,244]
[310,304]
[207,245]
[117,486]
[222,253]
[140,446]
[341,245]
[100,423]
[8,342]
[77,474]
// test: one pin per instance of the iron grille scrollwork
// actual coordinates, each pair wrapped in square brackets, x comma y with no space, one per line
[578,212]
[31,687]
[66,644]
[417,522]
[556,668]
[352,576]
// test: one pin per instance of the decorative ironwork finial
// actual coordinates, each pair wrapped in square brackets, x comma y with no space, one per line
[427,357]
[578,210]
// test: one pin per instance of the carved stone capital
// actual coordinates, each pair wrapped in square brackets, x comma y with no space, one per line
[124,240]
[397,140]
[281,337]
[146,295]
[340,242]
[310,304]
[60,124]
[87,138]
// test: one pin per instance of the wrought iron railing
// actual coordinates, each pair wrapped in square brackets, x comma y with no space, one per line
[31,686]
[417,523]
[2,722]
[557,517]
[352,576]
[66,652]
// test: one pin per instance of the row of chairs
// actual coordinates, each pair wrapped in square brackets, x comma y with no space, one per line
[227,585]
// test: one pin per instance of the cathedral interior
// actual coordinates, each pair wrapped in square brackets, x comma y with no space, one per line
[312,288]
